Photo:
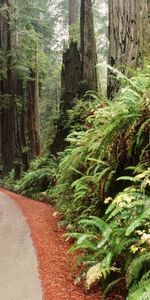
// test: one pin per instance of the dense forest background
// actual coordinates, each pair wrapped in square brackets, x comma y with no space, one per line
[75,127]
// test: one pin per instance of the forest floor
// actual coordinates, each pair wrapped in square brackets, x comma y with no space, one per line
[52,252]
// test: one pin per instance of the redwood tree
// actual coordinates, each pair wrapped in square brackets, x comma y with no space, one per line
[88,46]
[128,32]
[8,86]
[70,79]
[33,114]
[18,95]
[79,67]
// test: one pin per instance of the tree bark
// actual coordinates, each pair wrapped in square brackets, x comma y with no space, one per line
[70,89]
[88,46]
[11,91]
[78,70]
[73,11]
[32,114]
[128,21]
[7,91]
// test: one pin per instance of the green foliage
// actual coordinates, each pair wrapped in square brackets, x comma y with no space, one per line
[9,181]
[41,175]
[135,267]
[120,240]
[114,136]
[141,291]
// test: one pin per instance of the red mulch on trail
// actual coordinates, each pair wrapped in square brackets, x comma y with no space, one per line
[51,248]
[51,251]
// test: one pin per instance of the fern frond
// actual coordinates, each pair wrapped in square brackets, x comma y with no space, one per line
[109,287]
[135,267]
[97,272]
[140,291]
[142,219]
[94,221]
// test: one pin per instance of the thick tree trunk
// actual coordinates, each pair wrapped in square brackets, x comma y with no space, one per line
[7,90]
[128,21]
[88,46]
[11,89]
[70,79]
[78,70]
[32,114]
[22,152]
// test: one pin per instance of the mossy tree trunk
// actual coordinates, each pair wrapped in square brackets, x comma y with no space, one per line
[128,32]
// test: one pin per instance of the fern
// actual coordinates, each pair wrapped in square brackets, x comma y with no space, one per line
[140,292]
[112,135]
[113,131]
[36,180]
[97,272]
[136,266]
[115,236]
[109,287]
[94,221]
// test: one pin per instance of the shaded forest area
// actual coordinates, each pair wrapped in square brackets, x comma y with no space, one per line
[75,128]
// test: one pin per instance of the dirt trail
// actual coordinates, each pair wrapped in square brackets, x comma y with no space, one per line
[51,249]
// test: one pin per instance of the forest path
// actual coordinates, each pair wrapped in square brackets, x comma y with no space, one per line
[29,233]
[19,279]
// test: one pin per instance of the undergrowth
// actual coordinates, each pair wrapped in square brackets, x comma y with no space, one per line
[40,176]
[120,241]
[115,135]
[111,216]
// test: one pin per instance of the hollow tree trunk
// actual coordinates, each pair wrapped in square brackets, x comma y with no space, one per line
[128,28]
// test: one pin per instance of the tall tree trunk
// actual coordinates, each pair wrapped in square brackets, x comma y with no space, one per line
[73,11]
[32,114]
[88,46]
[128,21]
[8,90]
[11,89]
[70,79]
[78,70]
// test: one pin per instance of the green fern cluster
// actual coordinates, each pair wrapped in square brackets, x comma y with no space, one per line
[35,181]
[120,241]
[141,290]
[115,135]
[9,181]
